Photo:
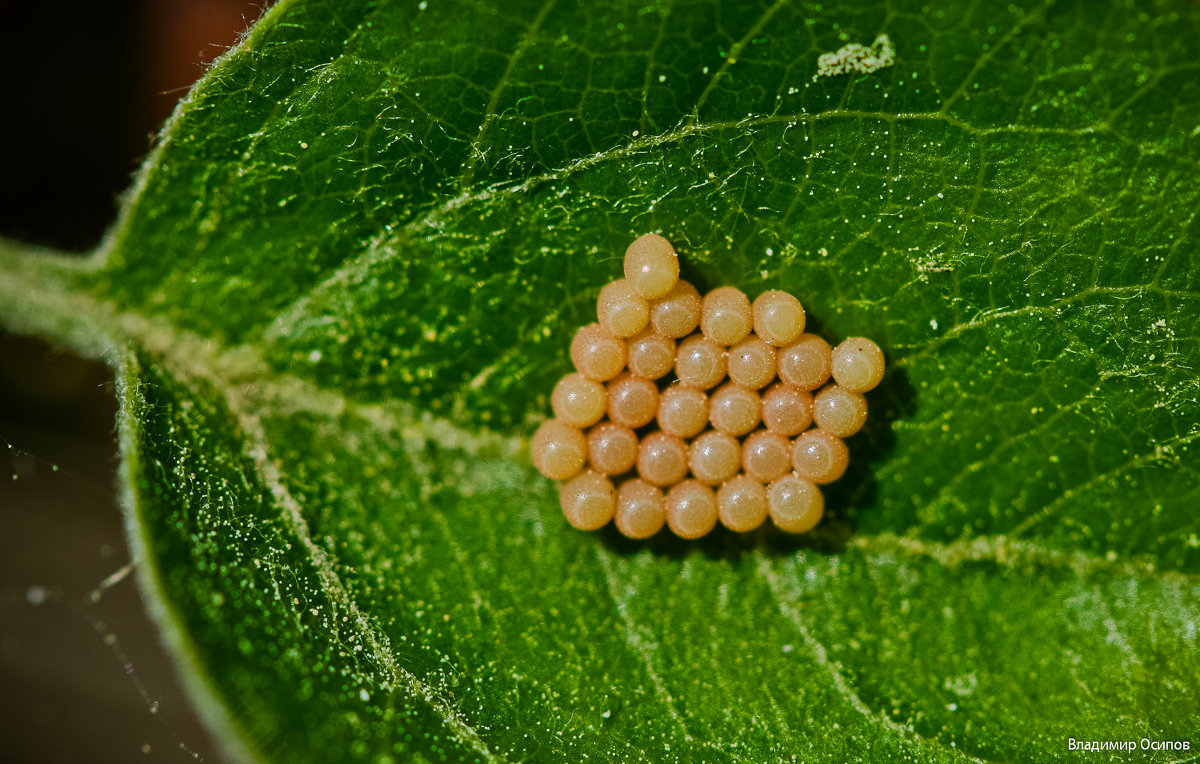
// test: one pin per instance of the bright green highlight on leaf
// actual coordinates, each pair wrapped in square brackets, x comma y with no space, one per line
[343,288]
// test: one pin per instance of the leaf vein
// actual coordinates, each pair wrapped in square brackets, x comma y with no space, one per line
[821,656]
[475,152]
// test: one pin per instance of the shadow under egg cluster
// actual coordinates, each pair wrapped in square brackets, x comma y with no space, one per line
[688,411]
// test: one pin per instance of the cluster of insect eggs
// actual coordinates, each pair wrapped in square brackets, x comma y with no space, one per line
[748,364]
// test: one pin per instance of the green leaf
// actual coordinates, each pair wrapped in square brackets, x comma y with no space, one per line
[345,282]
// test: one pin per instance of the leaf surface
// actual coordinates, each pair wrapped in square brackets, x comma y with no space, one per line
[346,280]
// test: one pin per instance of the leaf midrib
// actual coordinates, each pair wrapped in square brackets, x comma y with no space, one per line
[249,387]
[41,288]
[191,359]
[192,356]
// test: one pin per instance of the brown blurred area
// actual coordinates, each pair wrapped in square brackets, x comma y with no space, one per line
[84,676]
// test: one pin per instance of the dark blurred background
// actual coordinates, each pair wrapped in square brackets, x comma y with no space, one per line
[83,674]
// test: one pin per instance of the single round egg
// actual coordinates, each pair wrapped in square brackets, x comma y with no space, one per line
[651,355]
[839,411]
[632,400]
[682,410]
[700,362]
[778,317]
[676,314]
[819,456]
[787,410]
[714,457]
[767,456]
[641,509]
[558,450]
[742,504]
[597,354]
[651,266]
[612,448]
[578,401]
[752,363]
[725,316]
[691,509]
[857,364]
[588,501]
[796,505]
[621,310]
[662,459]
[805,363]
[734,409]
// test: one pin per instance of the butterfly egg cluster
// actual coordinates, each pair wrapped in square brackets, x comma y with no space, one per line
[688,411]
